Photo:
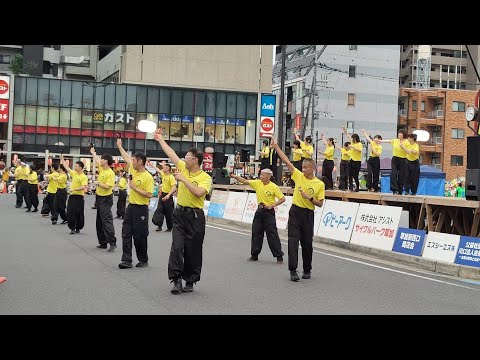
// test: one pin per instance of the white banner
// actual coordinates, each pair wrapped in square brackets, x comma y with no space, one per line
[317,218]
[250,208]
[376,226]
[441,247]
[281,213]
[235,206]
[338,220]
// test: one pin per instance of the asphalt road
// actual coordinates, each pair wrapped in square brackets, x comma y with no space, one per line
[52,272]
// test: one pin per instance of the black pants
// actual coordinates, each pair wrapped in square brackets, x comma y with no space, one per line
[300,229]
[413,176]
[327,170]
[105,229]
[264,221]
[60,205]
[353,172]
[187,244]
[121,203]
[21,190]
[164,209]
[344,171]
[33,195]
[51,205]
[373,173]
[75,213]
[135,225]
[398,176]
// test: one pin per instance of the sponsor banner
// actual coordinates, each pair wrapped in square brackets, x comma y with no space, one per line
[441,247]
[235,206]
[250,208]
[409,241]
[217,205]
[338,220]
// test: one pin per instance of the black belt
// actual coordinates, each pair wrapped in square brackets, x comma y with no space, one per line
[187,209]
[263,206]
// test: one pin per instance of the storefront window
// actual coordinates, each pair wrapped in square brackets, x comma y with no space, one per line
[251,107]
[131,99]
[42,116]
[32,91]
[18,138]
[109,97]
[187,102]
[65,117]
[219,131]
[240,132]
[154,118]
[241,106]
[43,94]
[187,128]
[109,120]
[76,117]
[138,117]
[76,94]
[120,97]
[176,101]
[31,115]
[52,140]
[87,100]
[164,101]
[41,139]
[142,99]
[250,132]
[210,103]
[209,130]
[176,128]
[98,119]
[99,96]
[29,138]
[75,141]
[152,100]
[20,87]
[19,115]
[66,93]
[221,107]
[164,124]
[200,103]
[230,131]
[87,117]
[199,129]
[231,104]
[54,98]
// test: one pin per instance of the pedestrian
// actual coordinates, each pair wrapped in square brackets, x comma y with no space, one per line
[135,224]
[188,217]
[122,195]
[356,148]
[328,164]
[398,175]
[76,200]
[308,193]
[32,188]
[264,219]
[104,201]
[344,165]
[412,174]
[21,176]
[60,199]
[373,162]
[165,203]
[48,206]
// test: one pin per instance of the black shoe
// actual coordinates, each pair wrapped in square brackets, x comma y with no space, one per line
[103,246]
[177,286]
[35,210]
[72,232]
[125,265]
[28,210]
[54,222]
[168,230]
[112,247]
[306,275]
[142,264]
[77,231]
[279,260]
[188,287]
[294,276]
[253,258]
[158,228]
[64,222]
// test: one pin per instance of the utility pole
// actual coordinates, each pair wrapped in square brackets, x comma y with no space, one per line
[314,89]
[282,102]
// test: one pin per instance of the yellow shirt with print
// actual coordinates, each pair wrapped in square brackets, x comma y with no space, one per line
[144,181]
[297,154]
[200,178]
[397,150]
[167,182]
[105,176]
[61,180]
[345,154]
[266,194]
[356,155]
[78,180]
[329,151]
[21,173]
[122,184]
[377,147]
[413,157]
[52,184]
[305,147]
[314,187]
[33,178]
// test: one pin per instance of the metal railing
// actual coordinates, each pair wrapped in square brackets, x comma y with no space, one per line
[435,114]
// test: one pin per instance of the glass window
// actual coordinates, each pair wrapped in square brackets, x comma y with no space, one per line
[87,96]
[200,103]
[458,106]
[175,145]
[98,119]
[352,47]
[19,115]
[219,130]
[32,91]
[18,138]
[187,102]
[241,106]
[75,141]
[152,100]
[54,99]
[164,124]
[240,131]
[120,97]
[29,138]
[458,133]
[352,70]
[186,145]
[20,87]
[152,145]
[65,93]
[130,121]
[141,99]
[31,115]
[120,120]
[140,145]
[187,128]
[221,107]
[76,94]
[252,106]
[231,105]
[42,116]
[164,101]
[109,120]
[99,96]
[351,99]
[176,128]
[229,149]
[65,117]
[65,140]
[456,160]
[210,104]
[219,147]
[131,98]
[109,96]
[422,106]
[43,92]
[176,107]
[199,129]
[250,130]
[53,116]
[52,140]
[76,117]
[230,131]
[108,142]
[414,105]
[209,130]
[41,139]
[87,116]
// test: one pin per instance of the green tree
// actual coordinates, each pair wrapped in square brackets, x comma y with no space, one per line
[19,66]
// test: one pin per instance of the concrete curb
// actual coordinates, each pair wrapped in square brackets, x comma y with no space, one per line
[467,272]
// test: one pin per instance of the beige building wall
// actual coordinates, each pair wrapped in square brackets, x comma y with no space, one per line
[221,67]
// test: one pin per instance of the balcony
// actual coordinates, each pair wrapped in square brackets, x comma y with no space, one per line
[432,146]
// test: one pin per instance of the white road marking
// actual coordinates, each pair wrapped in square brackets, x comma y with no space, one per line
[364,263]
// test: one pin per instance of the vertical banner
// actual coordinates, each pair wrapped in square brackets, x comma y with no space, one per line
[298,121]
[4,96]
[267,115]
[441,247]
[235,206]
[338,219]
[250,208]
[207,162]
[218,201]
[409,241]
[281,213]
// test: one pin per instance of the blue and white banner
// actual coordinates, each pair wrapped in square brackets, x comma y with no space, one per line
[468,251]
[268,105]
[337,220]
[409,241]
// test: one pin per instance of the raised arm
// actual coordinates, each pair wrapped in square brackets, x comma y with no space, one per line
[282,156]
[323,139]
[239,178]
[64,163]
[346,134]
[165,147]
[366,135]
[337,146]
[126,157]
[95,156]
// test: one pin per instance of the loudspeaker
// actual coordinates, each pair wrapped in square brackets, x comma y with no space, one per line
[245,155]
[472,186]
[220,176]
[219,160]
[473,152]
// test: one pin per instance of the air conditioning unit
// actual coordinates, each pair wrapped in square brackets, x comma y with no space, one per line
[438,140]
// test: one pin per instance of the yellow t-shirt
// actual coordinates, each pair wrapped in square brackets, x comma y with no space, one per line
[265,152]
[52,184]
[78,180]
[266,194]
[144,181]
[345,154]
[397,150]
[61,180]
[122,183]
[6,176]
[297,154]
[356,155]
[413,157]
[305,147]
[167,182]
[329,151]
[200,178]
[21,173]
[315,187]
[378,148]
[33,178]
[105,177]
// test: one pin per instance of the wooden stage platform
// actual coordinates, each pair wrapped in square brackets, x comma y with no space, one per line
[429,213]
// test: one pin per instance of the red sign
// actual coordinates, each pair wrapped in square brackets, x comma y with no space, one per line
[298,120]
[3,87]
[207,162]
[3,111]
[267,126]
